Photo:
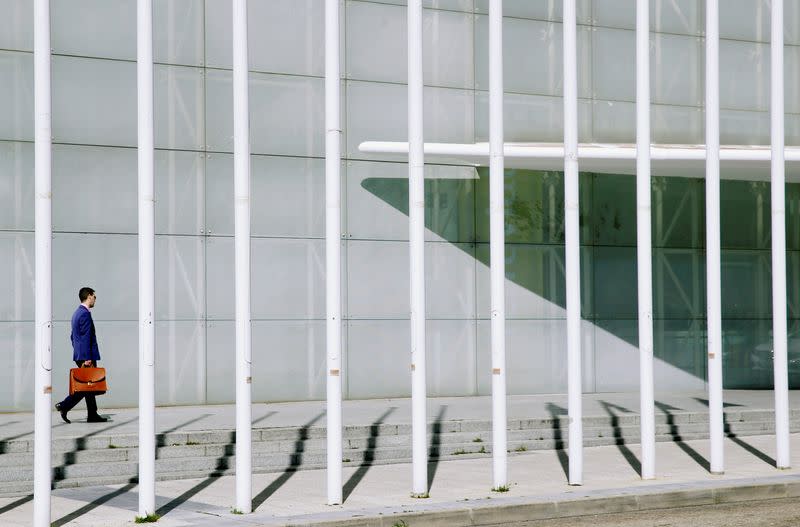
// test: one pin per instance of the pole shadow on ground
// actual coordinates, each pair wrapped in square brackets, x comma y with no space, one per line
[630,457]
[369,455]
[558,435]
[92,505]
[763,456]
[14,504]
[674,433]
[436,440]
[295,461]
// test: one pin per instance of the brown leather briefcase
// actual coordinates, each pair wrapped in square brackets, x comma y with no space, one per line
[91,381]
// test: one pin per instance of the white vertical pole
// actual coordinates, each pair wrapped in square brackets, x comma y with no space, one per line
[416,207]
[147,440]
[713,264]
[333,235]
[644,242]
[497,244]
[779,241]
[43,270]
[241,192]
[572,244]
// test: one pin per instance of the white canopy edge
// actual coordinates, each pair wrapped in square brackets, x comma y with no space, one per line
[738,161]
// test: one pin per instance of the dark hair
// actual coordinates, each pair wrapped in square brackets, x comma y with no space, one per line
[84,293]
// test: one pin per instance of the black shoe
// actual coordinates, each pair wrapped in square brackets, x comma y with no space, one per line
[63,413]
[96,419]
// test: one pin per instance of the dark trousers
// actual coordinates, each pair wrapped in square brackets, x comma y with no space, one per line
[71,400]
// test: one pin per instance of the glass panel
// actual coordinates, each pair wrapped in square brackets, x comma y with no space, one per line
[746,284]
[180,277]
[679,349]
[287,196]
[180,192]
[178,32]
[380,191]
[16,96]
[178,107]
[531,118]
[679,283]
[17,276]
[453,5]
[614,292]
[450,363]
[535,286]
[94,101]
[384,374]
[617,361]
[181,372]
[108,264]
[294,106]
[378,279]
[95,28]
[743,75]
[747,20]
[16,25]
[534,206]
[536,50]
[299,26]
[377,45]
[550,10]
[683,17]
[793,284]
[613,122]
[747,354]
[448,115]
[744,127]
[745,213]
[95,189]
[291,286]
[679,218]
[16,378]
[677,124]
[16,186]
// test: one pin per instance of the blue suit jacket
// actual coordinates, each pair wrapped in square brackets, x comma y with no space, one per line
[83,337]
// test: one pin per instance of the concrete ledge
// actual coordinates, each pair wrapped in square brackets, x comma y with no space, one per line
[502,511]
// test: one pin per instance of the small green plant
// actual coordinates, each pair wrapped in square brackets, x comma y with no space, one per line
[482,450]
[419,496]
[346,460]
[113,446]
[477,440]
[501,488]
[400,523]
[192,443]
[236,511]
[521,448]
[150,518]
[460,452]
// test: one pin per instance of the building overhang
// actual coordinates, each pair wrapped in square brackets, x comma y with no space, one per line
[736,161]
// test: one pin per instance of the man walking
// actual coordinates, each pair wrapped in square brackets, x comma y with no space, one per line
[85,353]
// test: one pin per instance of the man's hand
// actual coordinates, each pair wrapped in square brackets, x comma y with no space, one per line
[87,363]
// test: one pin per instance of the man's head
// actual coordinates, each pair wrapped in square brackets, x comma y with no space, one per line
[87,296]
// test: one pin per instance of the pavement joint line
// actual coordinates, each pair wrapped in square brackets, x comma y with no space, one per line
[496,511]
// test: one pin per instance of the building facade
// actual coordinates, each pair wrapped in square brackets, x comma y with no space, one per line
[95,205]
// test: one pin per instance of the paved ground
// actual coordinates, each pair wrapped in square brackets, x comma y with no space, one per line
[385,489]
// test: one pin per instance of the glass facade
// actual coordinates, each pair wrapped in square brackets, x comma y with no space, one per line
[94,197]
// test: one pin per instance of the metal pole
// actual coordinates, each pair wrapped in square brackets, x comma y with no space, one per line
[43,270]
[644,249]
[416,207]
[333,235]
[144,77]
[779,241]
[713,266]
[241,192]
[497,245]
[572,242]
